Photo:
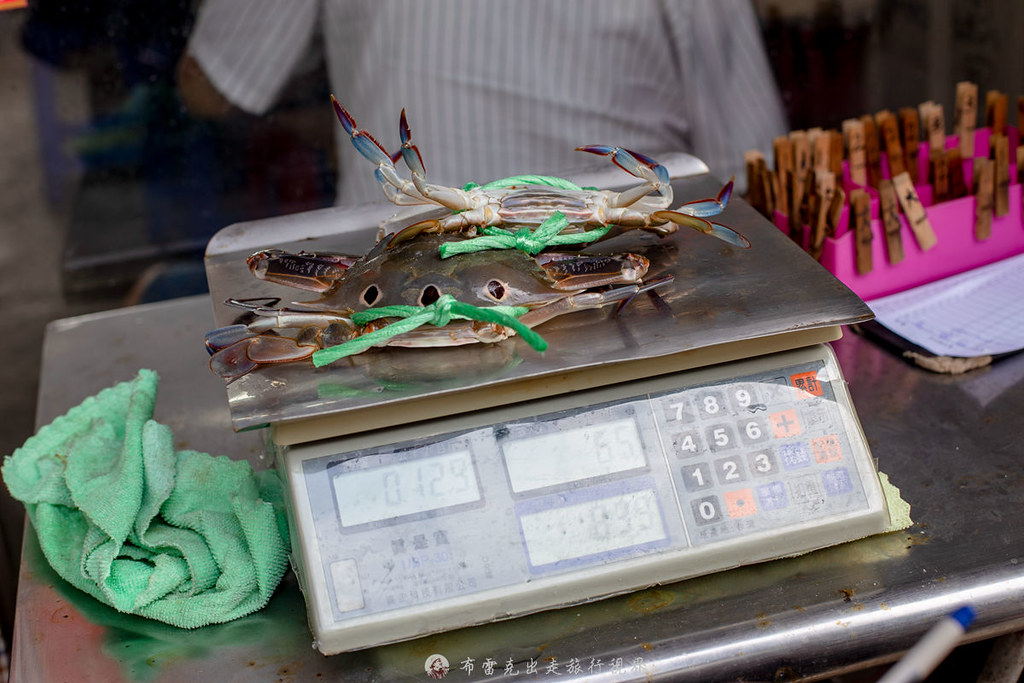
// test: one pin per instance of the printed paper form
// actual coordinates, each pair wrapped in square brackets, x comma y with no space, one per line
[977,313]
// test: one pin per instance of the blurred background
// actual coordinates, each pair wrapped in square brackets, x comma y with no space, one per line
[110,187]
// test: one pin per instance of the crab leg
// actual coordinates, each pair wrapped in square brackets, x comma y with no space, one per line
[397,189]
[701,225]
[584,300]
[638,165]
[450,197]
[709,207]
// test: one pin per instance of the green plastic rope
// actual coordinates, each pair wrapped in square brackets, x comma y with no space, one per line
[529,179]
[439,313]
[547,234]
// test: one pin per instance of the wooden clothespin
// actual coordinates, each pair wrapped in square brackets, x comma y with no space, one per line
[801,173]
[872,152]
[1000,154]
[995,111]
[966,117]
[934,122]
[889,130]
[914,211]
[984,188]
[835,155]
[957,183]
[860,218]
[888,209]
[760,183]
[853,132]
[910,136]
[824,188]
[783,170]
[821,149]
[938,176]
[835,210]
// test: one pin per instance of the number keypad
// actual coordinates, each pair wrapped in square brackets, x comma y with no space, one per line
[758,453]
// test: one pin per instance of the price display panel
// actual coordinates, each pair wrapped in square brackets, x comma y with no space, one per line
[570,499]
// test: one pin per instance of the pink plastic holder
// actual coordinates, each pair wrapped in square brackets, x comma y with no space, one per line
[955,251]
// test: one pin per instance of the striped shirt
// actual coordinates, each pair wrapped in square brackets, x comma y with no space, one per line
[494,88]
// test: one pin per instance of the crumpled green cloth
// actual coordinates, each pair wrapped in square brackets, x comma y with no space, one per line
[174,535]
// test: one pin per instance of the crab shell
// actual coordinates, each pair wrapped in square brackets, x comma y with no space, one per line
[412,273]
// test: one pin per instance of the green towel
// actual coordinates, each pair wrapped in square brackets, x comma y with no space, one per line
[178,536]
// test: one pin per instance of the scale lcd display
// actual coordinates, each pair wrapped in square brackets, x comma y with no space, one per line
[406,488]
[567,455]
[592,527]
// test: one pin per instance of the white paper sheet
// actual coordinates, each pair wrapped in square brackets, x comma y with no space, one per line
[977,313]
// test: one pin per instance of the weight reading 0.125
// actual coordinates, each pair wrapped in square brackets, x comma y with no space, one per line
[406,488]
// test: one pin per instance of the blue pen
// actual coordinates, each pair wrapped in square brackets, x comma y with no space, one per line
[940,640]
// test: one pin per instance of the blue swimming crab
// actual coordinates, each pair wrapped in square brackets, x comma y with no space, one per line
[413,274]
[530,203]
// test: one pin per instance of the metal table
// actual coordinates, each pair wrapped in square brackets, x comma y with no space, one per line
[952,444]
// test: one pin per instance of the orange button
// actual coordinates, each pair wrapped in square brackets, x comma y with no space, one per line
[827,448]
[785,423]
[740,503]
[807,383]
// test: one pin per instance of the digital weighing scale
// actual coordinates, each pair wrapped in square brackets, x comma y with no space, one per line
[703,429]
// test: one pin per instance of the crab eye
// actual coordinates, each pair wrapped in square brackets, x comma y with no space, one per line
[497,290]
[370,295]
[429,295]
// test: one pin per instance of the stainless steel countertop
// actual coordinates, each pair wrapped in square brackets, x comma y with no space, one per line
[952,444]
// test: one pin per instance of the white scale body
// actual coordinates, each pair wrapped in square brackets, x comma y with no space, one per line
[510,510]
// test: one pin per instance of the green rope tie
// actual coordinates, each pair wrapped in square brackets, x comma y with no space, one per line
[439,313]
[529,179]
[532,242]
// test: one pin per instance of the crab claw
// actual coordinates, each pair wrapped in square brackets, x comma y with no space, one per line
[247,354]
[634,163]
[709,207]
[701,225]
[364,143]
[305,270]
[223,337]
[410,153]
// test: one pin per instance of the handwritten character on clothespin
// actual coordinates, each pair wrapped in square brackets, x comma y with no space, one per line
[888,209]
[860,215]
[824,188]
[934,122]
[915,212]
